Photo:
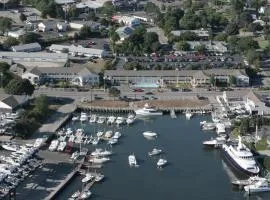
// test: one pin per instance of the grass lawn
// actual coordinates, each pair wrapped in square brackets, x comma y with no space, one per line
[263,43]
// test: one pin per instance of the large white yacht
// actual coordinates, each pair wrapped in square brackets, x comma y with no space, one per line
[241,158]
[10,147]
[147,111]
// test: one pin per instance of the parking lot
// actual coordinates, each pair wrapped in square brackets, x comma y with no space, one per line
[184,61]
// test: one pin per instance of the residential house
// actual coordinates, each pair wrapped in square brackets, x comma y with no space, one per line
[124,32]
[31,47]
[10,103]
[62,26]
[76,75]
[46,26]
[17,69]
[16,34]
[78,50]
[127,20]
[212,46]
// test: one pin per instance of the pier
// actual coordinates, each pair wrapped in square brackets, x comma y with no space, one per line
[64,182]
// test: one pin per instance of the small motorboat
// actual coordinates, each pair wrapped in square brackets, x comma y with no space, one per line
[100,133]
[108,134]
[149,134]
[117,135]
[99,177]
[99,160]
[76,194]
[161,162]
[188,114]
[217,142]
[95,141]
[259,186]
[120,120]
[85,194]
[93,119]
[75,118]
[130,119]
[100,152]
[155,152]
[88,177]
[112,141]
[132,161]
[101,120]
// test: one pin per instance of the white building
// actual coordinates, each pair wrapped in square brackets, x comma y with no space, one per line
[47,26]
[76,75]
[242,80]
[16,34]
[213,46]
[79,24]
[31,47]
[127,20]
[78,50]
[200,33]
[9,103]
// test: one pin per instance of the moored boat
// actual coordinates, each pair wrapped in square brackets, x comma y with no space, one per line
[149,134]
[132,161]
[147,111]
[161,162]
[155,152]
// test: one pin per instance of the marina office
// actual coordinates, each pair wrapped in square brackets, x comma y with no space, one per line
[196,78]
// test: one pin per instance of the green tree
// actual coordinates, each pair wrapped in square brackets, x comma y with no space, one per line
[200,48]
[151,8]
[237,5]
[85,32]
[92,15]
[221,37]
[252,55]
[232,28]
[9,42]
[18,86]
[108,9]
[232,80]
[132,66]
[114,92]
[212,80]
[182,46]
[115,37]
[22,17]
[29,37]
[247,43]
[6,76]
[5,24]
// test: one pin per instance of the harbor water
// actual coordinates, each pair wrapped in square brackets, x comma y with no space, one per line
[192,172]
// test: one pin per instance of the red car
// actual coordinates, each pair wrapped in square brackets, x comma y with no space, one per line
[138,90]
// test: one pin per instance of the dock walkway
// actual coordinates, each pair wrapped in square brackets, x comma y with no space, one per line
[65,181]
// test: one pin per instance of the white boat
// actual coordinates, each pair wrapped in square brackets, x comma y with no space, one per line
[188,114]
[117,135]
[111,120]
[71,138]
[101,120]
[76,194]
[88,177]
[149,134]
[161,162]
[220,128]
[155,152]
[69,131]
[99,177]
[259,186]
[112,141]
[83,117]
[61,146]
[173,115]
[95,141]
[74,155]
[202,123]
[208,126]
[132,160]
[75,118]
[93,119]
[147,111]
[215,118]
[99,160]
[120,120]
[108,134]
[85,194]
[130,119]
[241,158]
[53,145]
[100,133]
[249,181]
[217,142]
[101,152]
[10,147]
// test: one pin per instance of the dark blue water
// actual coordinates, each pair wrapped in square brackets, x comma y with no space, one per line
[193,173]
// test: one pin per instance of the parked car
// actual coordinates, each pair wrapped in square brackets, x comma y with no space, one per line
[138,90]
[149,93]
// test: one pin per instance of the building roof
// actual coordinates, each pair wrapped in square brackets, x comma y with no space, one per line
[49,23]
[173,73]
[14,100]
[79,49]
[52,56]
[124,32]
[64,2]
[200,33]
[25,47]
[89,4]
[86,23]
[60,70]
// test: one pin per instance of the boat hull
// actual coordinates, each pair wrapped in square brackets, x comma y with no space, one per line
[139,113]
[235,165]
